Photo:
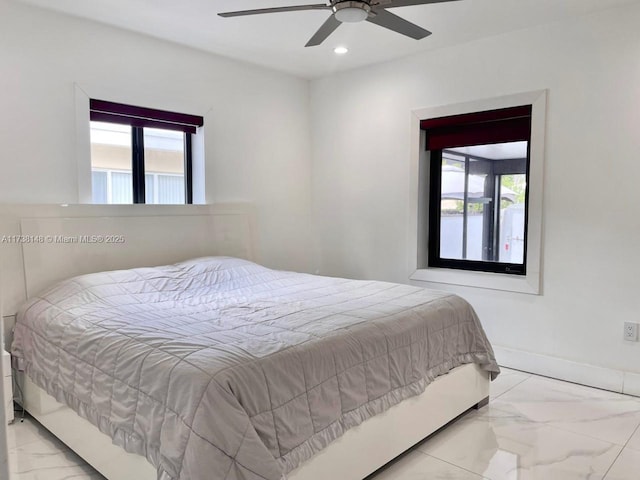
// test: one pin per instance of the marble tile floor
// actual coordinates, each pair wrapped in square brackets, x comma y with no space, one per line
[534,428]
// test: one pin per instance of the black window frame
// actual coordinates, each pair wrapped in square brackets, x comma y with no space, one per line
[454,137]
[139,118]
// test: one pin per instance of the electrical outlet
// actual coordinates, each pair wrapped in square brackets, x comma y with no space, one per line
[631,331]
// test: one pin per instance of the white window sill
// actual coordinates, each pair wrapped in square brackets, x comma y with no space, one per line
[529,283]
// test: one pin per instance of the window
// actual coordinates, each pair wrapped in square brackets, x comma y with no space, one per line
[140,155]
[478,190]
[525,277]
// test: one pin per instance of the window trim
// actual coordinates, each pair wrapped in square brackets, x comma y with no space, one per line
[419,271]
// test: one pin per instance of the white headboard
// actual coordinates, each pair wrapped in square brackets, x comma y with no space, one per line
[42,244]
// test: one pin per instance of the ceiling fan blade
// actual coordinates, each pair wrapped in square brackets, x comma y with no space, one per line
[405,3]
[295,8]
[327,28]
[408,3]
[393,22]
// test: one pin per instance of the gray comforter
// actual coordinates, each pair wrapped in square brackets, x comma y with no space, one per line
[218,368]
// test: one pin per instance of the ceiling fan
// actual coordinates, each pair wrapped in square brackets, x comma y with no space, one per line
[352,11]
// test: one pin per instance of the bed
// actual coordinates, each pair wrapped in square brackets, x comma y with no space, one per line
[221,368]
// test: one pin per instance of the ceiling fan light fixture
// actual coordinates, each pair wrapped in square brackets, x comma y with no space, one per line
[351,12]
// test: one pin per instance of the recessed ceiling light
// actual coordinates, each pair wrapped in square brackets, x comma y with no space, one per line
[340,50]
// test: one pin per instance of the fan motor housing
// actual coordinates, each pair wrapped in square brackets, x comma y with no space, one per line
[351,11]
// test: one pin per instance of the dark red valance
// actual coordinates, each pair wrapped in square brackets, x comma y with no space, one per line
[103,111]
[481,128]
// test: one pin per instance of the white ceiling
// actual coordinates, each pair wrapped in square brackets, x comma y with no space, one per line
[277,40]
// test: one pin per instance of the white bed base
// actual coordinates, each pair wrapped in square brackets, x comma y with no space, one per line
[359,452]
[185,232]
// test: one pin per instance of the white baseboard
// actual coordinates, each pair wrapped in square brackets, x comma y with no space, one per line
[582,373]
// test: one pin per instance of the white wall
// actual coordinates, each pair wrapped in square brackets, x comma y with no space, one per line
[256,131]
[591,66]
